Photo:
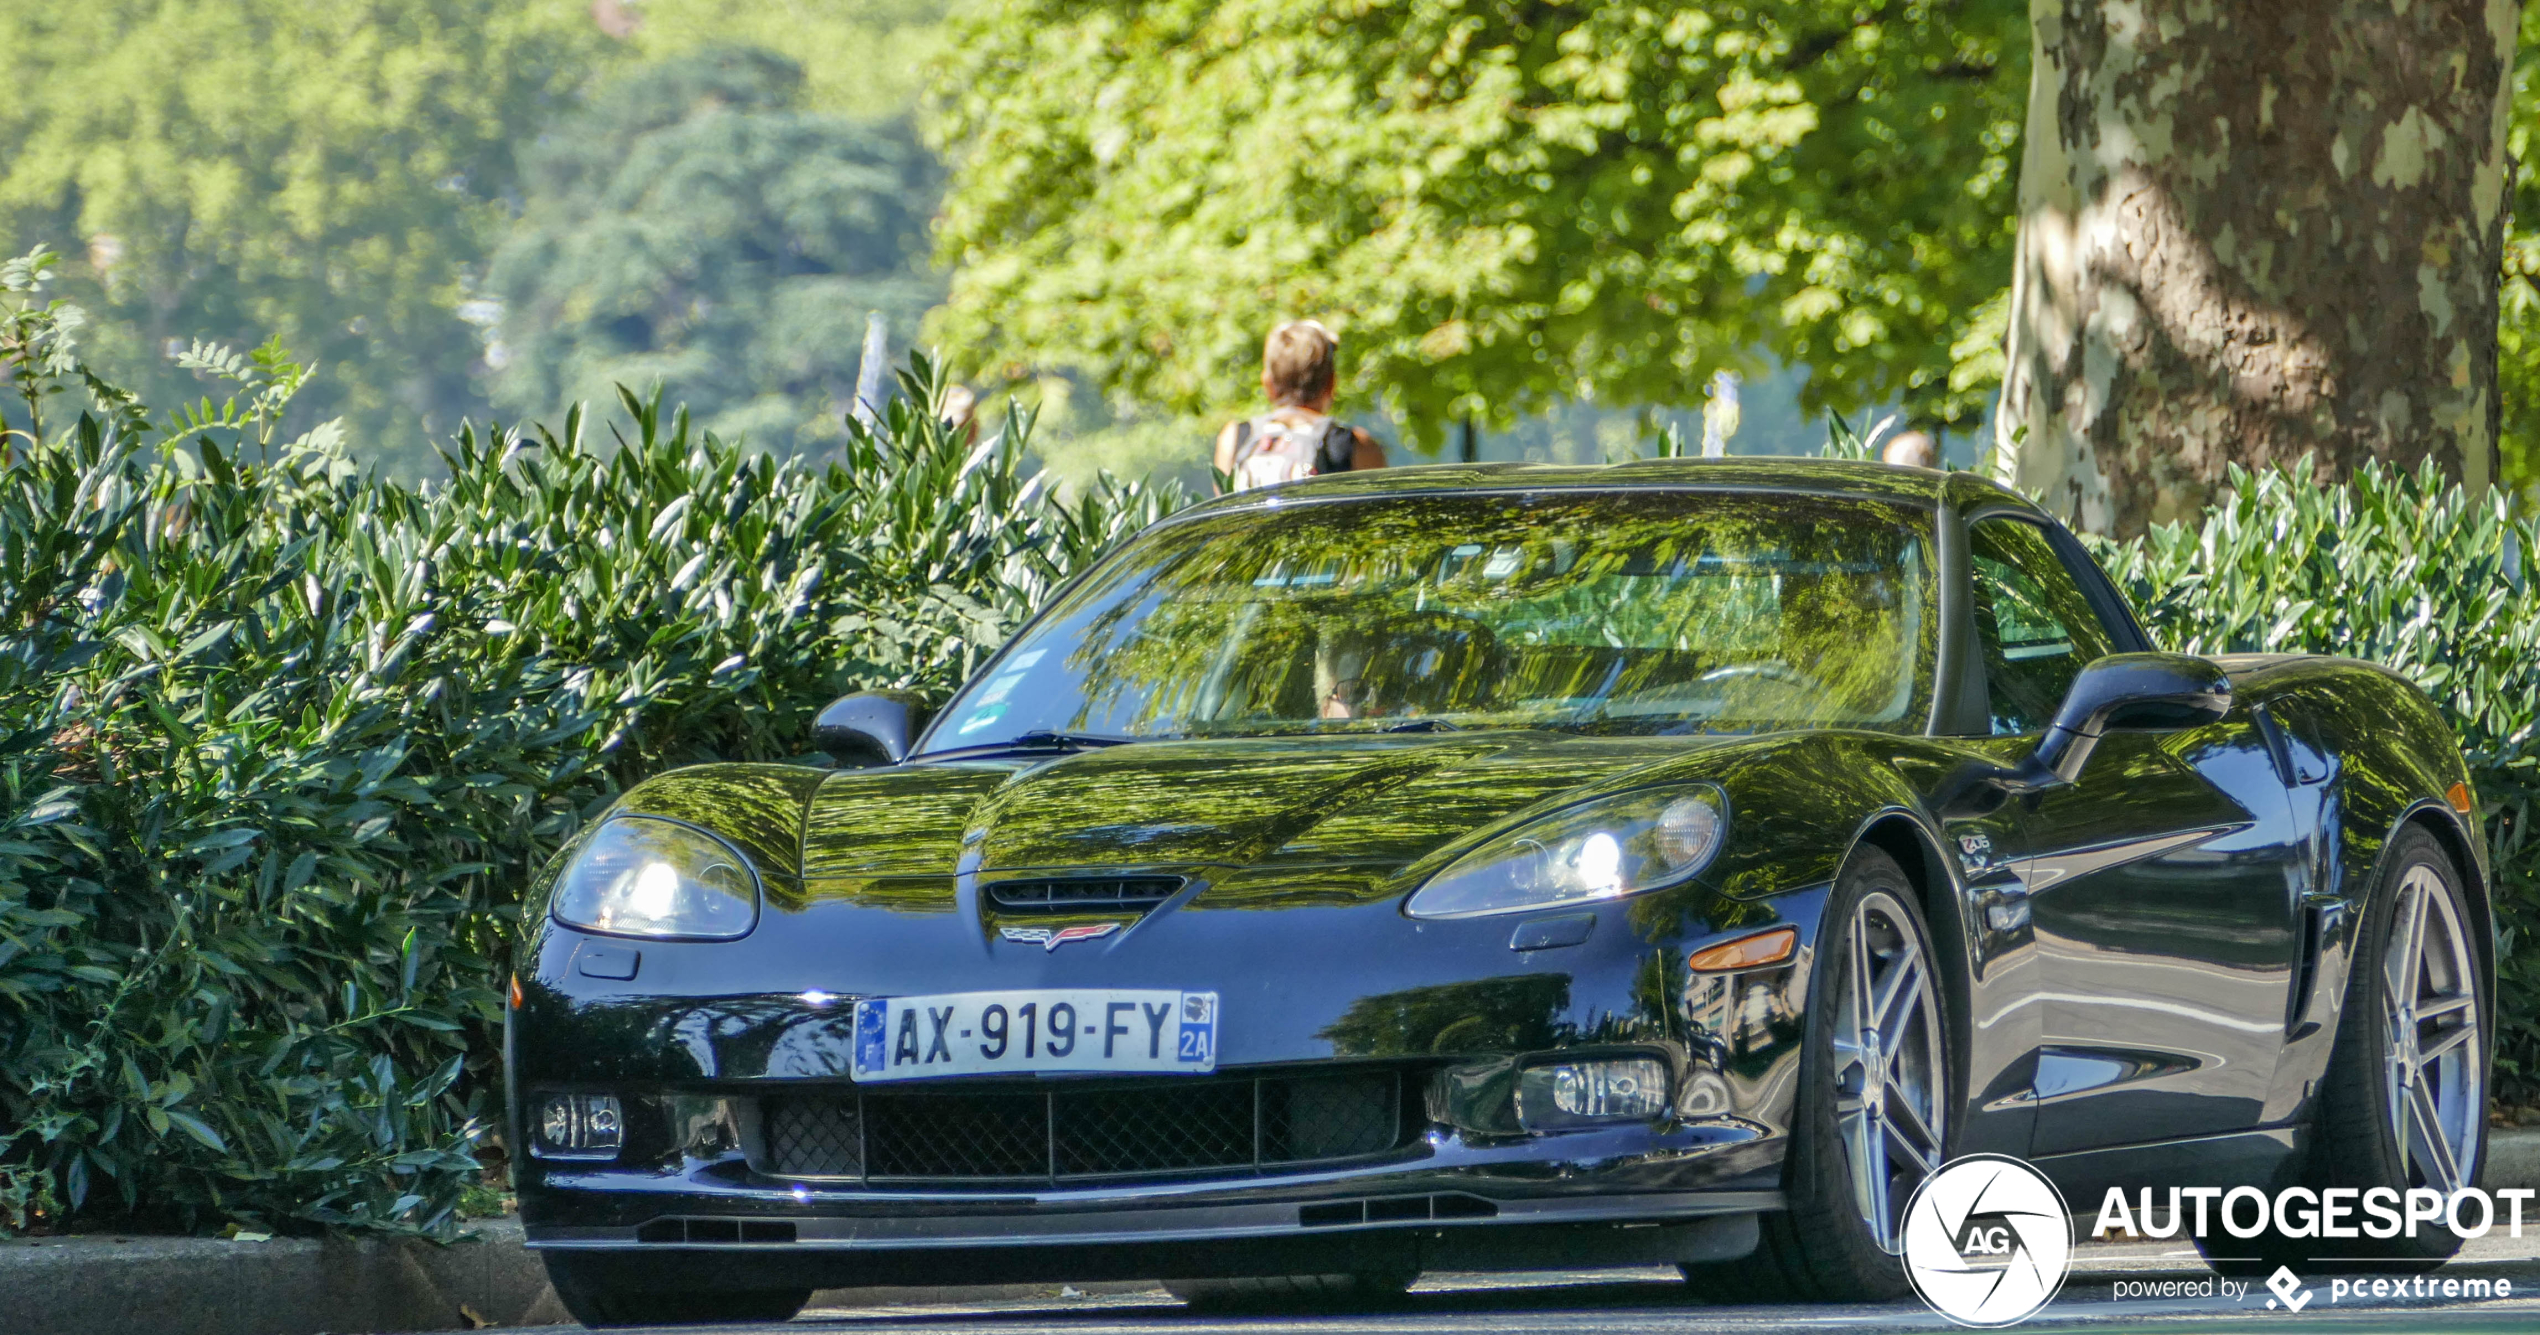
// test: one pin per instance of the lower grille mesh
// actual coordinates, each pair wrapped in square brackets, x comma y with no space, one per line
[988,1135]
[1088,1129]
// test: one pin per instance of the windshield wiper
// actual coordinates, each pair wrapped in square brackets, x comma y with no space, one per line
[1035,740]
[1027,742]
[1042,739]
[1424,725]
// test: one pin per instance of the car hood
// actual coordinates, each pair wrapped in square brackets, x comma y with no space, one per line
[1373,802]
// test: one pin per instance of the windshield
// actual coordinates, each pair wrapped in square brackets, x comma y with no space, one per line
[1661,612]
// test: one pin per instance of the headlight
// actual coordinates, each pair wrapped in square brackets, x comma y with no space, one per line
[643,876]
[1606,849]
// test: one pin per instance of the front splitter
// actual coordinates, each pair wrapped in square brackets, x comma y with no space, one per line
[1179,1223]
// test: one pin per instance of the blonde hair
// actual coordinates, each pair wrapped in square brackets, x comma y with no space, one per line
[1297,361]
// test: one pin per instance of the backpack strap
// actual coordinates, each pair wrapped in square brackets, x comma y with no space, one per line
[1339,450]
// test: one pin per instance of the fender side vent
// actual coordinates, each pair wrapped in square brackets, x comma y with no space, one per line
[2321,919]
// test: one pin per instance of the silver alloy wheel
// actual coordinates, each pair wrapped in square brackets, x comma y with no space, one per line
[2436,1082]
[1889,1085]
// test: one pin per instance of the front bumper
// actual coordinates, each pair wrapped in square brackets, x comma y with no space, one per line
[1464,1187]
[1676,1192]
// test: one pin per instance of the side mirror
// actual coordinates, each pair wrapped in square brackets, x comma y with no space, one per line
[2129,691]
[871,728]
[2118,691]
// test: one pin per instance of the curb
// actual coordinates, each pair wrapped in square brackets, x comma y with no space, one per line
[288,1286]
[115,1285]
[2513,1158]
[107,1285]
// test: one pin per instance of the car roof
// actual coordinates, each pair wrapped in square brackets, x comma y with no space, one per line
[1796,476]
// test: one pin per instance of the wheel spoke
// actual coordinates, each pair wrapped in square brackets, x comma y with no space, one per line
[2408,929]
[1873,1160]
[1864,1017]
[1860,1133]
[1910,1133]
[1904,992]
[2442,1006]
[2443,1042]
[2426,1142]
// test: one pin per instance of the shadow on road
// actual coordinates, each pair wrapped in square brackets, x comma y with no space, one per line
[1614,1302]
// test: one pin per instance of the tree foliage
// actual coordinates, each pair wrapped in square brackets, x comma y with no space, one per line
[340,175]
[325,172]
[1502,205]
[862,58]
[693,226]
[2518,301]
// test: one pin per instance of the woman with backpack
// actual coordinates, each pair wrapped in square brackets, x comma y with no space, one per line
[1297,437]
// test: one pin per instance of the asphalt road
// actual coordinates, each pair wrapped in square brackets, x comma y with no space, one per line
[1599,1301]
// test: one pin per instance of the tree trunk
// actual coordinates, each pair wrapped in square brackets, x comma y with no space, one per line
[2252,230]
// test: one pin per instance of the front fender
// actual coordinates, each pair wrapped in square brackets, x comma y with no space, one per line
[2375,755]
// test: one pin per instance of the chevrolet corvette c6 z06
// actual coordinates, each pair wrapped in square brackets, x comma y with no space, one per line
[1503,866]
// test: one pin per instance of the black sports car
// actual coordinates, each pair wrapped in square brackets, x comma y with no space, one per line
[1508,866]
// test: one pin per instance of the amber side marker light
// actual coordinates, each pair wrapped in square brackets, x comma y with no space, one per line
[2458,796]
[1747,952]
[515,991]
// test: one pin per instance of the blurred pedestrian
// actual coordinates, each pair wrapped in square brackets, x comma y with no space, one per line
[1298,436]
[961,413]
[1914,449]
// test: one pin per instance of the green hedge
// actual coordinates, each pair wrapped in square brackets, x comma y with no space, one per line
[279,742]
[2405,570]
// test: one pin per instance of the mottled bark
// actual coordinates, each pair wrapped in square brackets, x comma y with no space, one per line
[2250,232]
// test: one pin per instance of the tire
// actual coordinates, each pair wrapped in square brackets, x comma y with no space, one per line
[1284,1292]
[2359,1138]
[1823,1247]
[596,1292]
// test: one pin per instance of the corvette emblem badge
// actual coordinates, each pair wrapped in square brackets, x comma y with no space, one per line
[1052,938]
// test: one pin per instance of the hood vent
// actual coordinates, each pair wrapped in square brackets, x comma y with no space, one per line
[1083,894]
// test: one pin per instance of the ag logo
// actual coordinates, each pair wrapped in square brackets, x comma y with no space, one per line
[1985,1235]
[1987,1240]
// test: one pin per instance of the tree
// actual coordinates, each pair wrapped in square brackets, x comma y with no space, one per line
[1501,204]
[863,58]
[2518,314]
[2250,233]
[322,170]
[693,227]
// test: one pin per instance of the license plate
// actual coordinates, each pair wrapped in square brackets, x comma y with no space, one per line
[1076,1029]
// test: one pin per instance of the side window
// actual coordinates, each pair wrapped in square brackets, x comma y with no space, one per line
[2034,625]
